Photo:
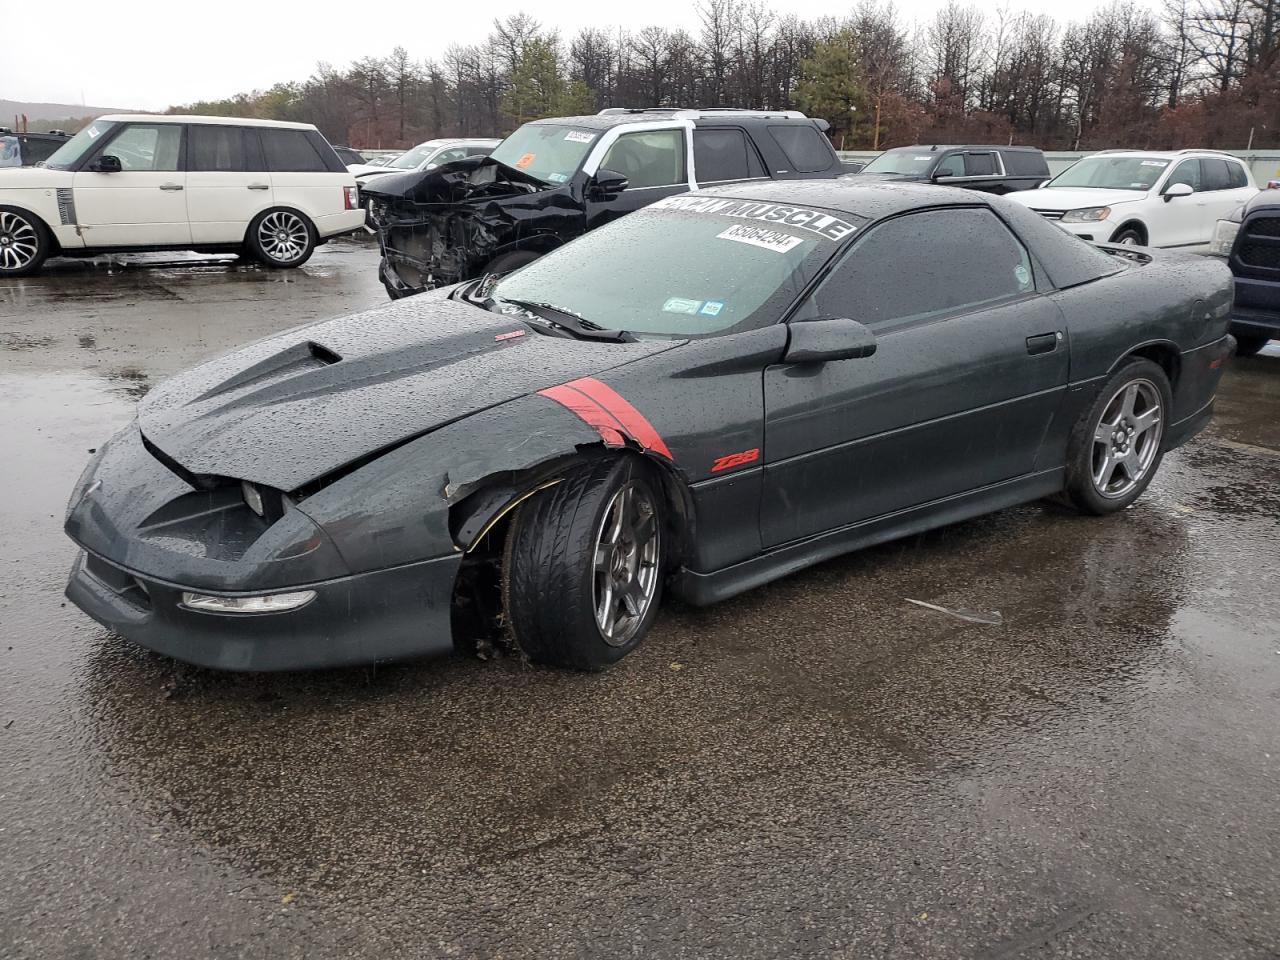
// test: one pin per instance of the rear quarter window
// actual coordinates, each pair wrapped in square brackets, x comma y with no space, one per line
[290,151]
[1024,163]
[802,144]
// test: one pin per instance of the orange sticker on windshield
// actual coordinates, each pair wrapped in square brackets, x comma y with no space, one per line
[525,160]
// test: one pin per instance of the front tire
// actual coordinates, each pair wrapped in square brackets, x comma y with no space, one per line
[582,570]
[281,239]
[1250,346]
[1130,237]
[1117,444]
[24,242]
[510,261]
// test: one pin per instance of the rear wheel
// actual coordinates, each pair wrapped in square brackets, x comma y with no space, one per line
[281,239]
[1249,346]
[1117,444]
[24,242]
[582,570]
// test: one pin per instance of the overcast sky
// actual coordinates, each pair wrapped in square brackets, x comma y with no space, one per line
[149,54]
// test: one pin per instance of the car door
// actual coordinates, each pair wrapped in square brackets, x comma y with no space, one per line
[655,163]
[225,191]
[1175,221]
[969,371]
[142,204]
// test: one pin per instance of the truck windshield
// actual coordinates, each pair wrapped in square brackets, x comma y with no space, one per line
[1111,173]
[904,162]
[550,152]
[688,266]
[69,154]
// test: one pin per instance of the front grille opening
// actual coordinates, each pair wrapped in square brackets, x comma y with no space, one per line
[120,582]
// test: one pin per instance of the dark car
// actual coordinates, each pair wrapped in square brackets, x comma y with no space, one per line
[28,149]
[1250,242]
[553,180]
[707,395]
[349,155]
[997,170]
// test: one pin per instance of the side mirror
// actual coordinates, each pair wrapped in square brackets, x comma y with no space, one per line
[106,164]
[816,341]
[607,184]
[1178,190]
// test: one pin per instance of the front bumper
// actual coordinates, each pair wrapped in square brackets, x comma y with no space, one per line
[389,614]
[1257,308]
[1097,231]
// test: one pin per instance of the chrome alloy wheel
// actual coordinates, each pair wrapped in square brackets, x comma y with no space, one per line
[19,241]
[625,576]
[283,236]
[1127,438]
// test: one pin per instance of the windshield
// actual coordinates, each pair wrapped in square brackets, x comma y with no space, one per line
[906,161]
[413,158]
[548,151]
[686,266]
[1111,173]
[69,154]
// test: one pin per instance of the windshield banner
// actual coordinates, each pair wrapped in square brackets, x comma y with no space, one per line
[816,221]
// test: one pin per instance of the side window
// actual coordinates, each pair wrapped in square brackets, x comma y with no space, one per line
[980,165]
[961,258]
[1024,163]
[804,146]
[721,154]
[654,158]
[952,166]
[215,148]
[1188,172]
[1214,175]
[1236,177]
[290,151]
[147,146]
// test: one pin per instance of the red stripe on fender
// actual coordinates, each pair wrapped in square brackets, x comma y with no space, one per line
[632,420]
[609,412]
[586,408]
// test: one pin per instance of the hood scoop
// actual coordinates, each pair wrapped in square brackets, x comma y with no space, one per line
[299,358]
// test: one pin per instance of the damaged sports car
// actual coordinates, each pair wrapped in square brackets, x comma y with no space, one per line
[709,394]
[553,180]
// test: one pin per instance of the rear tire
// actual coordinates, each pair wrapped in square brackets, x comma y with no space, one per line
[1249,346]
[582,569]
[25,242]
[281,239]
[1117,444]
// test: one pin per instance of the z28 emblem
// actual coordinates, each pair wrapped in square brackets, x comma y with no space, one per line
[735,460]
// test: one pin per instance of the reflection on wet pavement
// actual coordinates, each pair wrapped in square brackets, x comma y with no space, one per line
[818,768]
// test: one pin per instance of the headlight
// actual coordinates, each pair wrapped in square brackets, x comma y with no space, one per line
[265,603]
[1224,238]
[1086,215]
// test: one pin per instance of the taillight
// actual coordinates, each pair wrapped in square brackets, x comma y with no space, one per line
[351,197]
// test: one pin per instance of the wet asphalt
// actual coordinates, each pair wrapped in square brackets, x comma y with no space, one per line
[816,769]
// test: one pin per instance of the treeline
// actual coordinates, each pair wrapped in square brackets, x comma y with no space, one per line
[1199,73]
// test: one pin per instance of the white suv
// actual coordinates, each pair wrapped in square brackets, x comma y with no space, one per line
[212,184]
[1152,199]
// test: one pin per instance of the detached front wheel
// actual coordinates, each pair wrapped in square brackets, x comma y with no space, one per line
[582,571]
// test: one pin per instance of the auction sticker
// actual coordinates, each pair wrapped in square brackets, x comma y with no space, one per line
[525,160]
[823,224]
[681,305]
[579,136]
[761,237]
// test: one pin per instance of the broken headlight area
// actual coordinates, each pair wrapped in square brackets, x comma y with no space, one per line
[437,249]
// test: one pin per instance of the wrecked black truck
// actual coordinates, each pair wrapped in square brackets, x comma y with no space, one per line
[553,180]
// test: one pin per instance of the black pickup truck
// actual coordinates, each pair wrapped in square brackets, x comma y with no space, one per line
[553,180]
[1250,241]
[28,149]
[990,169]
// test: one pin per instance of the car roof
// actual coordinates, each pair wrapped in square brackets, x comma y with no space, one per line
[1164,154]
[871,200]
[939,147]
[224,121]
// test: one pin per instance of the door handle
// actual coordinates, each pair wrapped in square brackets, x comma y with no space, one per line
[170,186]
[259,186]
[1043,343]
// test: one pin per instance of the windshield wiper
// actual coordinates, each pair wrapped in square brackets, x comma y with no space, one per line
[575,324]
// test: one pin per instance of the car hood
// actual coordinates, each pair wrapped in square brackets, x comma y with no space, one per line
[33,178]
[290,409]
[1073,198]
[475,178]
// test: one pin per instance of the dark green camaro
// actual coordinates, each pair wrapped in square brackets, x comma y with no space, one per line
[708,394]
